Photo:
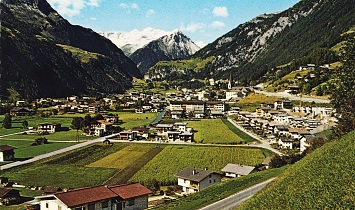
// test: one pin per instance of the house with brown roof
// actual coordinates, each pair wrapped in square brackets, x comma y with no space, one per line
[194,180]
[49,127]
[6,153]
[9,196]
[120,197]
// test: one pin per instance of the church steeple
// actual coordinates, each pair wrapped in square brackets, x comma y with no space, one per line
[230,81]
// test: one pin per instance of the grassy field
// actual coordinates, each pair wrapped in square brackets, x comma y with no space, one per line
[240,133]
[131,120]
[214,131]
[64,176]
[323,179]
[253,101]
[68,169]
[175,158]
[222,190]
[25,150]
[122,158]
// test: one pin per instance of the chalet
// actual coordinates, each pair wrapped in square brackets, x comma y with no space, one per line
[216,114]
[128,135]
[162,129]
[180,126]
[296,133]
[236,170]
[283,118]
[9,196]
[292,89]
[49,127]
[194,180]
[282,105]
[141,131]
[281,130]
[287,143]
[199,114]
[216,106]
[21,111]
[125,197]
[7,153]
[177,114]
[266,162]
[106,126]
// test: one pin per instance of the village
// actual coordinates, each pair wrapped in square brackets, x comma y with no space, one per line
[284,125]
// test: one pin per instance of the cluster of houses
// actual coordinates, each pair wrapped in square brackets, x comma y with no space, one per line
[168,132]
[287,131]
[193,180]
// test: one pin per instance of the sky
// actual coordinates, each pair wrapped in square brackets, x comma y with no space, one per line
[203,21]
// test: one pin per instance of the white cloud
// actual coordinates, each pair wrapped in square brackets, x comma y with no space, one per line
[217,24]
[192,27]
[135,6]
[150,13]
[220,11]
[128,7]
[72,7]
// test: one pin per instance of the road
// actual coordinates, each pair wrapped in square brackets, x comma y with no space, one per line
[293,97]
[263,143]
[57,152]
[235,200]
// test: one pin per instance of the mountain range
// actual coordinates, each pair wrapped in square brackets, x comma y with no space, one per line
[149,46]
[43,55]
[267,41]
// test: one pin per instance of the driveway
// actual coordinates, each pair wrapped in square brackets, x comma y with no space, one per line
[57,152]
[235,200]
[263,143]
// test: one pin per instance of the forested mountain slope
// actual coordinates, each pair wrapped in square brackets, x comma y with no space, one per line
[43,55]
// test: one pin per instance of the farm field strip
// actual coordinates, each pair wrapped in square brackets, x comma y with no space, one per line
[122,158]
[213,131]
[175,158]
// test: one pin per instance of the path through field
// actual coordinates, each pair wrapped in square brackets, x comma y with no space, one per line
[124,175]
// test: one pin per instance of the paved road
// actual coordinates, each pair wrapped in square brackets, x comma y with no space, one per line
[57,152]
[235,200]
[293,97]
[263,143]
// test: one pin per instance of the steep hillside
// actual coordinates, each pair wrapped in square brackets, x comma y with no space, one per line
[322,180]
[43,55]
[270,40]
[170,47]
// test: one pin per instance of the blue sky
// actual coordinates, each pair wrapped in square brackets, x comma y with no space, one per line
[201,20]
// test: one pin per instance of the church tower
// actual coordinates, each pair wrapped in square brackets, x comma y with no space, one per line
[230,81]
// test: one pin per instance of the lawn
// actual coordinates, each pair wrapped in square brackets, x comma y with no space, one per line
[64,176]
[238,132]
[25,150]
[253,101]
[214,131]
[131,120]
[222,190]
[66,170]
[122,158]
[69,135]
[175,158]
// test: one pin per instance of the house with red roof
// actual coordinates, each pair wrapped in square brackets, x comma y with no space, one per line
[118,197]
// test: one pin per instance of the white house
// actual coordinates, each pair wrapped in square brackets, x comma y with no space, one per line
[236,170]
[125,197]
[194,180]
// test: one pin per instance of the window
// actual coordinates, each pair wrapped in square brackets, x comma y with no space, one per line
[91,206]
[104,204]
[47,205]
[131,202]
[59,207]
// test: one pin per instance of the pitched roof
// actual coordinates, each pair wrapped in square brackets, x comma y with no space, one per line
[85,195]
[130,190]
[6,148]
[4,191]
[82,196]
[194,174]
[238,169]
